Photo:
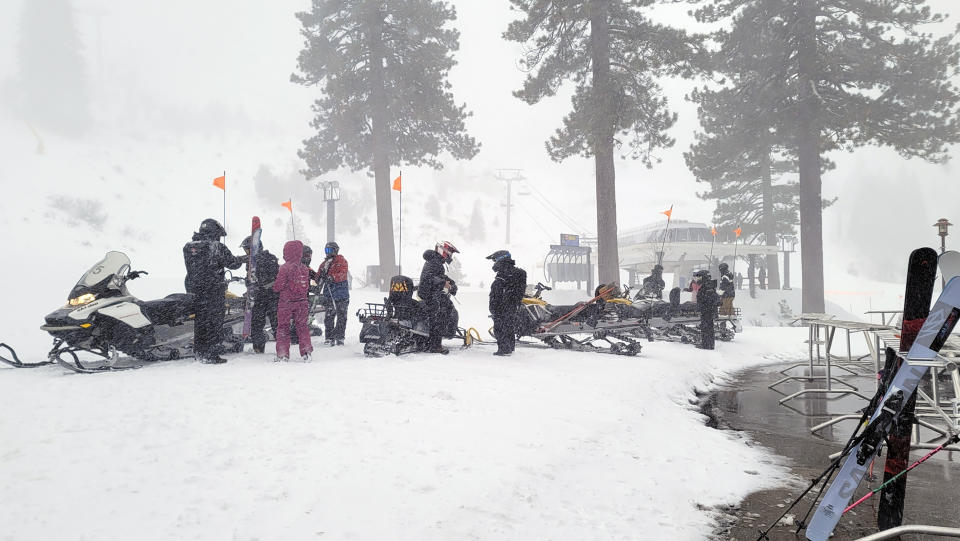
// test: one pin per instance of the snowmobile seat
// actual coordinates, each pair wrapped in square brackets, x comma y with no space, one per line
[400,302]
[170,309]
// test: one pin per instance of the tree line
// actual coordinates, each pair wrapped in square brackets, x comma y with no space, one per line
[781,84]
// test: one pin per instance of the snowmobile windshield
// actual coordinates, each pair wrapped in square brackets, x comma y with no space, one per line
[103,276]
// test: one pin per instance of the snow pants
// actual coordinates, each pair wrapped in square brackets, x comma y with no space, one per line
[706,329]
[335,319]
[296,311]
[265,308]
[505,330]
[208,322]
[726,306]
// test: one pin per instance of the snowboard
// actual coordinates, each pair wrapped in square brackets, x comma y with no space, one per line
[936,328]
[255,232]
[893,496]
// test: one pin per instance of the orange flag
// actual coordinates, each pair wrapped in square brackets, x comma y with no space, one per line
[713,231]
[668,212]
[288,204]
[737,231]
[396,183]
[221,182]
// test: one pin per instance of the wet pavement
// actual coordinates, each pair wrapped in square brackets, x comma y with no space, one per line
[747,404]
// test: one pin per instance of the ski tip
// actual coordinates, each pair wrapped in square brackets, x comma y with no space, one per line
[255,223]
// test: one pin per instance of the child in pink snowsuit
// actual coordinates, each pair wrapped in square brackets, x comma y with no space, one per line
[293,283]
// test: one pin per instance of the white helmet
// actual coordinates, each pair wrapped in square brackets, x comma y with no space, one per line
[446,249]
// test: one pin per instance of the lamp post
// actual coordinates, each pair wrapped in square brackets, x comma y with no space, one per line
[942,225]
[784,241]
[331,194]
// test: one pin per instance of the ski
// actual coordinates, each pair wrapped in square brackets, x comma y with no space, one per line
[255,232]
[890,509]
[14,361]
[930,338]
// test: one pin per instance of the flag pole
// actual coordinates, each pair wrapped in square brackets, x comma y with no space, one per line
[224,200]
[400,258]
[293,225]
[663,244]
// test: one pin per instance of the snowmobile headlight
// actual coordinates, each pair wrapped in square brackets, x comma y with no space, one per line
[86,298]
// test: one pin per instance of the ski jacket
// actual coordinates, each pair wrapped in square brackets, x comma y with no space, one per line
[726,286]
[267,268]
[693,288]
[334,270]
[293,277]
[507,288]
[707,299]
[432,277]
[205,259]
[653,285]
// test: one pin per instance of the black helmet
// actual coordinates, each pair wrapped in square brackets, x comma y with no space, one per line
[307,255]
[724,267]
[247,242]
[498,255]
[212,229]
[658,268]
[331,248]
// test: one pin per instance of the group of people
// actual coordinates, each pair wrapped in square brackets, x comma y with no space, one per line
[280,293]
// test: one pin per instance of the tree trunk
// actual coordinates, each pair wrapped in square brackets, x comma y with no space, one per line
[608,258]
[769,224]
[380,147]
[808,154]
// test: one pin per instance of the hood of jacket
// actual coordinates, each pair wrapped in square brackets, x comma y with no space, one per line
[432,255]
[293,251]
[504,264]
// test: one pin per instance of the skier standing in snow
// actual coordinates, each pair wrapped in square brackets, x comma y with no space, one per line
[728,291]
[206,258]
[707,301]
[506,293]
[293,283]
[265,299]
[307,259]
[333,274]
[433,288]
[653,285]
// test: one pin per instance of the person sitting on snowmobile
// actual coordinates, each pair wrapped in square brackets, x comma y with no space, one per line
[506,294]
[728,290]
[260,285]
[206,258]
[707,301]
[653,285]
[333,275]
[434,287]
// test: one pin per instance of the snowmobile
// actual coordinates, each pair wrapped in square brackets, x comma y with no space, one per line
[102,318]
[400,324]
[588,326]
[673,321]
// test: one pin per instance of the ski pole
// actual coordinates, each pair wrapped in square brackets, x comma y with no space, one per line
[953,439]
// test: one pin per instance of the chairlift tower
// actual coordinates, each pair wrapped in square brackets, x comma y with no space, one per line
[331,194]
[509,176]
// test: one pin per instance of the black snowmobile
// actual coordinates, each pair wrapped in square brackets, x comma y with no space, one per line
[399,325]
[102,318]
[596,325]
[675,321]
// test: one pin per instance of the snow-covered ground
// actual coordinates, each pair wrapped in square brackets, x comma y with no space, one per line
[541,445]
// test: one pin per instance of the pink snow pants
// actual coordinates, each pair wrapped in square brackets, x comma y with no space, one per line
[297,311]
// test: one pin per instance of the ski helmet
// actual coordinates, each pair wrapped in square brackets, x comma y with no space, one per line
[446,249]
[307,255]
[658,268]
[248,242]
[499,255]
[212,228]
[724,267]
[331,248]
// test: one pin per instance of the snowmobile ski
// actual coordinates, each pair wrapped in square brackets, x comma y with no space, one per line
[251,300]
[14,361]
[930,338]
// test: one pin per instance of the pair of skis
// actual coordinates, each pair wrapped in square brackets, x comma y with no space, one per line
[924,332]
[251,300]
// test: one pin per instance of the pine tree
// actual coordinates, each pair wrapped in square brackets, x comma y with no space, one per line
[51,85]
[476,230]
[613,54]
[850,73]
[382,68]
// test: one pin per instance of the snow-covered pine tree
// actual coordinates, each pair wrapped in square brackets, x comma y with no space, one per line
[382,72]
[850,73]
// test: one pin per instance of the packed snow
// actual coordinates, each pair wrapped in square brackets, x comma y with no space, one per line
[541,445]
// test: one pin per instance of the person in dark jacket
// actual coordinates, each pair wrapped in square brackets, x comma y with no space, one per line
[707,301]
[728,291]
[333,275]
[206,258]
[260,285]
[653,285]
[434,286]
[506,294]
